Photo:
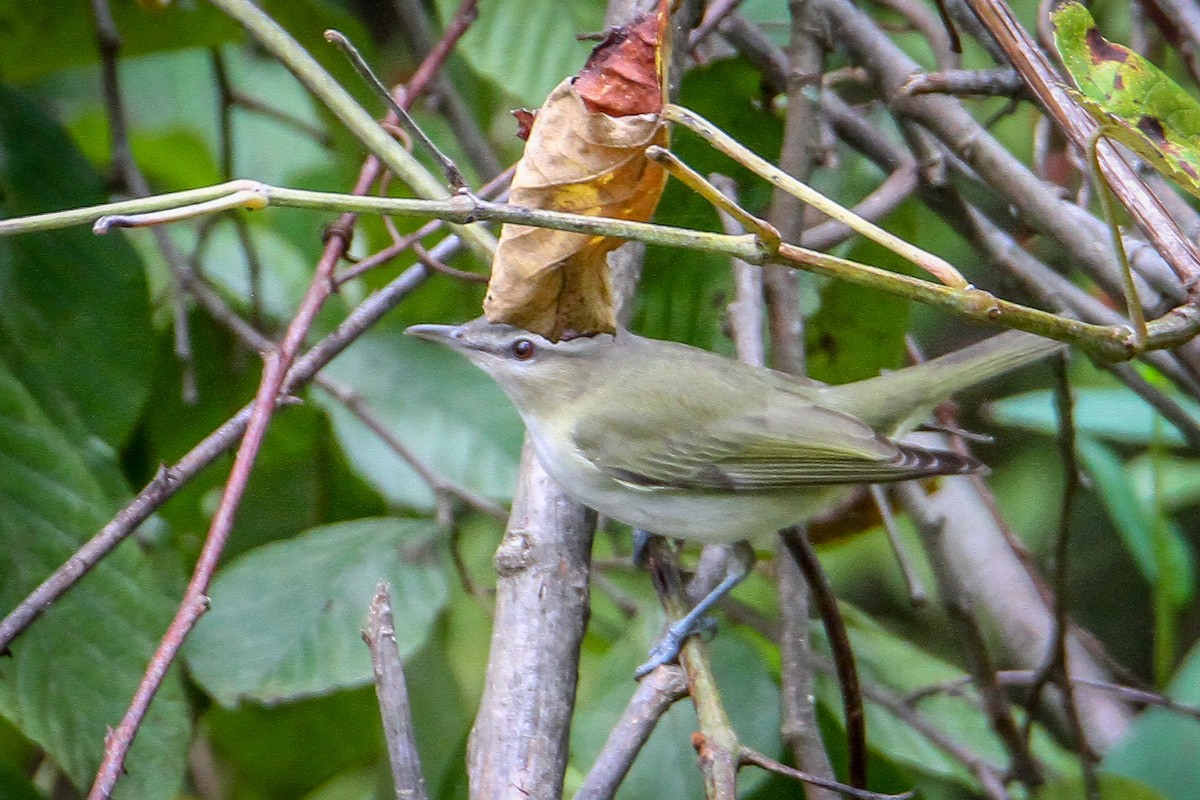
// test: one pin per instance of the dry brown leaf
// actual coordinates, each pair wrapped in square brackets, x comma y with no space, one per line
[621,77]
[581,160]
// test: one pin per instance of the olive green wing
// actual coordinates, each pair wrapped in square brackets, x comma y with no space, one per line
[792,445]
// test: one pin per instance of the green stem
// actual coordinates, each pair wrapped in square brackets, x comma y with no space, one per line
[1167,579]
[1108,342]
[365,128]
[1109,206]
[731,147]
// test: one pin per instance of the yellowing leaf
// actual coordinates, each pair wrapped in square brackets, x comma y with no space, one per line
[1134,101]
[580,159]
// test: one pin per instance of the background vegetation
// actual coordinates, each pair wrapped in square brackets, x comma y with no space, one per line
[120,354]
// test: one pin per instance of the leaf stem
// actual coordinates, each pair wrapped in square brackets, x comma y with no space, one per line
[725,143]
[1106,342]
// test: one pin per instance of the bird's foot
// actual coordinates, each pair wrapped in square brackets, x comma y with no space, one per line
[741,560]
[666,650]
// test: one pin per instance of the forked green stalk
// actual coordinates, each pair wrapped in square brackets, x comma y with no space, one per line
[1109,342]
[717,138]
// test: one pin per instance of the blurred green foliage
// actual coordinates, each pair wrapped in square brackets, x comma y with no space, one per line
[274,696]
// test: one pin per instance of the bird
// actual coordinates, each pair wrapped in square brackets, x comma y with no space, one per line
[681,442]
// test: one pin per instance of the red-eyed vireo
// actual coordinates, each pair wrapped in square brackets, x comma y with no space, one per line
[684,443]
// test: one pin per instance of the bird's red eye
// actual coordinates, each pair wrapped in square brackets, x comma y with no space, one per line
[523,349]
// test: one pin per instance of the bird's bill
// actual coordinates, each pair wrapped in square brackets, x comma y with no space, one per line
[442,334]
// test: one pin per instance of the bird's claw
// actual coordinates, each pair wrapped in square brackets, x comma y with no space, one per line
[668,647]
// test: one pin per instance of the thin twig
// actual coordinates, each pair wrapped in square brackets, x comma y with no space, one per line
[655,693]
[454,176]
[256,106]
[756,758]
[392,692]
[883,200]
[958,606]
[912,581]
[718,139]
[717,746]
[417,29]
[1056,668]
[843,654]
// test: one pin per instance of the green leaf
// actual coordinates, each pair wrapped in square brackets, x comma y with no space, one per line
[1109,413]
[1112,787]
[528,60]
[666,766]
[45,37]
[1133,100]
[1173,480]
[1157,546]
[1159,748]
[470,434]
[891,662]
[856,333]
[286,751]
[71,675]
[75,319]
[287,617]
[15,786]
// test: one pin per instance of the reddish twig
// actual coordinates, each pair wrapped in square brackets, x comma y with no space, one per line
[195,601]
[431,65]
[748,756]
[171,479]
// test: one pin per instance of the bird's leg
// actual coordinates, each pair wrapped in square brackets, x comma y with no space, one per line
[641,540]
[741,559]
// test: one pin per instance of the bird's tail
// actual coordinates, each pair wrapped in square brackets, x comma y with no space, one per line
[896,401]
